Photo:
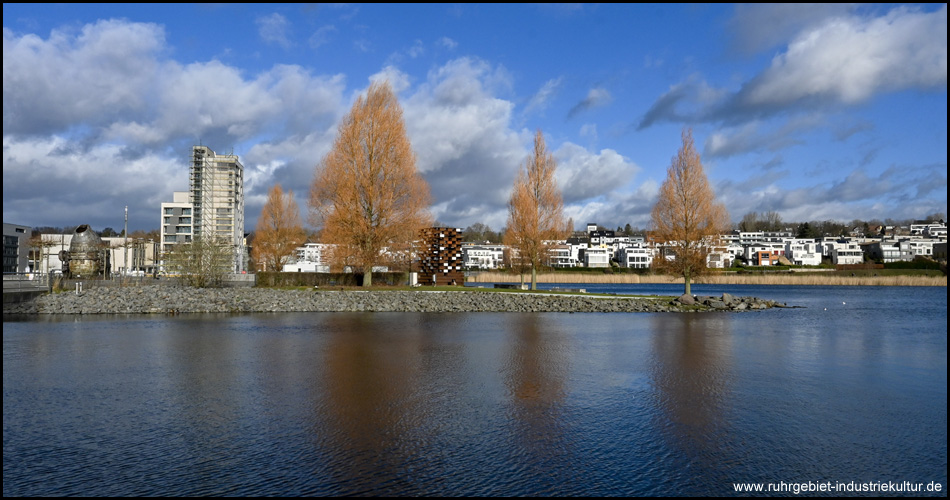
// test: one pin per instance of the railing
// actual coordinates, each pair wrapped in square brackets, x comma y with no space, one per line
[25,282]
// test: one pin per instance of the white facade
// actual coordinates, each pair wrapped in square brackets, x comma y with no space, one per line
[751,251]
[483,256]
[177,224]
[562,255]
[803,252]
[311,257]
[597,257]
[636,257]
[844,254]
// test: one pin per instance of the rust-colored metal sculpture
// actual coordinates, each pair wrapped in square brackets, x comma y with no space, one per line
[440,259]
[87,257]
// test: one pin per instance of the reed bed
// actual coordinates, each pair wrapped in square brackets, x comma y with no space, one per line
[718,279]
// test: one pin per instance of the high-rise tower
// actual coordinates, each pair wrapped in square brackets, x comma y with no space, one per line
[217,196]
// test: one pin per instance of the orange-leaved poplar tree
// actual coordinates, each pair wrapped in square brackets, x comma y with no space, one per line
[279,231]
[367,196]
[535,210]
[687,219]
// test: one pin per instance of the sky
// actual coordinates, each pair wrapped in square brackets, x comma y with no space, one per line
[817,112]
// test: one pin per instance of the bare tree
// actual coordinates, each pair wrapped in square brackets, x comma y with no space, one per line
[367,195]
[202,262]
[687,216]
[39,249]
[279,231]
[750,222]
[773,221]
[536,209]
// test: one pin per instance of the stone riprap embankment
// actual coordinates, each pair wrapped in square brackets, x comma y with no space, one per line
[175,300]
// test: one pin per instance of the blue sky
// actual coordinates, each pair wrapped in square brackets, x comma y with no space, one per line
[817,112]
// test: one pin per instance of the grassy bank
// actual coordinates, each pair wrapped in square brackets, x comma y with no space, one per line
[723,279]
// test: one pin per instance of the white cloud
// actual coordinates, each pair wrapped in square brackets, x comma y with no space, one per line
[583,175]
[539,102]
[848,60]
[596,97]
[448,43]
[274,29]
[94,76]
[321,36]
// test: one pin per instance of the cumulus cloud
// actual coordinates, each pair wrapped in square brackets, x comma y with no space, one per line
[760,26]
[841,61]
[899,192]
[847,60]
[95,76]
[583,175]
[155,108]
[463,142]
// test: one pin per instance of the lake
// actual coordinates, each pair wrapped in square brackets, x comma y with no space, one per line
[848,390]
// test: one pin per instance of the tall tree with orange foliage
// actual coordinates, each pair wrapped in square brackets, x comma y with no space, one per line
[367,196]
[687,216]
[535,210]
[279,231]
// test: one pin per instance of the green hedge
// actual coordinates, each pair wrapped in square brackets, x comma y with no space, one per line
[280,279]
[917,263]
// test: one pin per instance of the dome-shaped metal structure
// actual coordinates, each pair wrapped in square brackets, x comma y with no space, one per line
[86,255]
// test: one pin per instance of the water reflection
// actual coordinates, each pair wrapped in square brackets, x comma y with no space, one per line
[478,404]
[691,373]
[371,401]
[536,368]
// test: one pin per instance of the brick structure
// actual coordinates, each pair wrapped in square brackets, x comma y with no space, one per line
[440,259]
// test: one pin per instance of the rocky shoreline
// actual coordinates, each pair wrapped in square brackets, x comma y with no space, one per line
[155,299]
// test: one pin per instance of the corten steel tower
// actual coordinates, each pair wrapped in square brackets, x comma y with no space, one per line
[440,259]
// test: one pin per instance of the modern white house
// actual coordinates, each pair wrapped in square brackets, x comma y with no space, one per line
[309,258]
[636,257]
[597,257]
[563,255]
[844,253]
[803,252]
[483,256]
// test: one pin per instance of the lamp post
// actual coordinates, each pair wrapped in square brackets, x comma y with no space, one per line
[125,259]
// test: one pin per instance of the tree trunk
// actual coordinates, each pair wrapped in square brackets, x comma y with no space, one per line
[368,276]
[534,278]
[686,279]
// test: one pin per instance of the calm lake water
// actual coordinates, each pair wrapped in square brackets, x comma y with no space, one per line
[852,387]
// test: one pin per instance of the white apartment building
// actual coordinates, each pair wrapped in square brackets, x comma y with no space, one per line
[309,258]
[636,257]
[844,253]
[562,255]
[597,257]
[751,251]
[483,256]
[803,252]
[888,251]
[177,224]
[919,247]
